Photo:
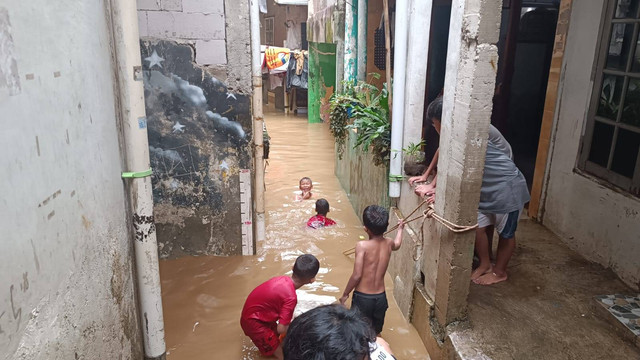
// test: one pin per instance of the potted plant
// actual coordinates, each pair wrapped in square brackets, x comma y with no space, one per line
[414,159]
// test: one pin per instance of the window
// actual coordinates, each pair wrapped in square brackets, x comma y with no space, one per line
[611,142]
[268,31]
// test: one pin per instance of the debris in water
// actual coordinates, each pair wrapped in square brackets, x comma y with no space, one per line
[194,326]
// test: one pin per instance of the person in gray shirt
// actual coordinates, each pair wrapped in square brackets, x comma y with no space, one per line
[503,195]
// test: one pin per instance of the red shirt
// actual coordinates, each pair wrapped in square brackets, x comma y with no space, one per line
[319,221]
[273,300]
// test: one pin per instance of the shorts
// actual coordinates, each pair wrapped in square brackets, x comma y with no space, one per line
[506,224]
[264,335]
[372,306]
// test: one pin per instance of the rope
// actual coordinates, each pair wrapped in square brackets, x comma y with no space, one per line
[429,213]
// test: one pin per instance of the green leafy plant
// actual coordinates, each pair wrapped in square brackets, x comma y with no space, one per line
[363,108]
[415,150]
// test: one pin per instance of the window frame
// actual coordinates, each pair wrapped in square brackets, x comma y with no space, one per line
[631,185]
[267,31]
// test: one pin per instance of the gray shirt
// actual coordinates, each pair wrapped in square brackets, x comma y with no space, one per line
[495,136]
[504,188]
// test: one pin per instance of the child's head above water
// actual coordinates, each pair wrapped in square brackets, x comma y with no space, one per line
[306,184]
[322,207]
[375,219]
[306,268]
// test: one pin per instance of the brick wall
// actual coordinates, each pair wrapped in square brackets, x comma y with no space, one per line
[200,23]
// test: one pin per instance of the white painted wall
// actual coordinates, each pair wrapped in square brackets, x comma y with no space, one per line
[66,288]
[601,224]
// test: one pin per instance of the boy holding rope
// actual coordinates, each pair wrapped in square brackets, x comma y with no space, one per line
[371,262]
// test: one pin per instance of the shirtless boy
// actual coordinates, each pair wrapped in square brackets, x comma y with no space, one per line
[372,260]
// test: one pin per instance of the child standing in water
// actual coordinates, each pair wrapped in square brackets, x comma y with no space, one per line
[372,260]
[268,309]
[305,188]
[321,220]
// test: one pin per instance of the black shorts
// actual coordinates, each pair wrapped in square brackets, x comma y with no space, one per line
[372,306]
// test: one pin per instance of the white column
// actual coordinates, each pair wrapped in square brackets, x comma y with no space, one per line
[351,41]
[126,39]
[258,125]
[399,75]
[362,39]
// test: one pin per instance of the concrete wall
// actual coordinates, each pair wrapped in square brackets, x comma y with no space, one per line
[66,279]
[197,76]
[598,222]
[365,183]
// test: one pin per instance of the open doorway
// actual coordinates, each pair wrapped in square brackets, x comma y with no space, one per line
[525,48]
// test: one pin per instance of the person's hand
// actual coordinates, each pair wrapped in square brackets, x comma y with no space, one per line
[414,179]
[306,195]
[424,190]
[431,198]
[401,224]
[343,299]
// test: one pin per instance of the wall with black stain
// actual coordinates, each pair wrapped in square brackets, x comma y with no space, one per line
[199,139]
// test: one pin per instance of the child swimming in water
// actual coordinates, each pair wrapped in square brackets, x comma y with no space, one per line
[268,309]
[321,220]
[305,187]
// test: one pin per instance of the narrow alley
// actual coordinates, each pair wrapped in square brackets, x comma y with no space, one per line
[203,296]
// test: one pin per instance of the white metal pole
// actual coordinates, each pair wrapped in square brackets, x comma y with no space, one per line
[362,39]
[127,61]
[399,76]
[258,122]
[417,57]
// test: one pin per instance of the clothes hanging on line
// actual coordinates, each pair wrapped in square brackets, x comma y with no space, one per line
[298,71]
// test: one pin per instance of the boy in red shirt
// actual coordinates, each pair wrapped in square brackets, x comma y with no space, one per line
[269,308]
[321,220]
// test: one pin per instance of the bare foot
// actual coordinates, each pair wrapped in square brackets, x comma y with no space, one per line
[479,271]
[490,278]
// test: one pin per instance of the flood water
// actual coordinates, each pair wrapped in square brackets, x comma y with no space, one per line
[203,296]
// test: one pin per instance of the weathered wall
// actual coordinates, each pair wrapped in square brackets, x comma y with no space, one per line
[365,183]
[322,80]
[197,76]
[598,222]
[295,15]
[66,284]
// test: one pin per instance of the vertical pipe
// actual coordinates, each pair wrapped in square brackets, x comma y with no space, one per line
[399,75]
[130,97]
[351,41]
[258,121]
[417,58]
[362,39]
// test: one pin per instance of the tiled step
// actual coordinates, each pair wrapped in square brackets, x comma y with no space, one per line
[623,312]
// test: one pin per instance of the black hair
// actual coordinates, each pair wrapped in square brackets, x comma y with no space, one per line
[306,267]
[322,206]
[306,178]
[434,110]
[376,219]
[329,332]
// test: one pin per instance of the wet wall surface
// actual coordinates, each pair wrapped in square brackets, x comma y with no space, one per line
[199,139]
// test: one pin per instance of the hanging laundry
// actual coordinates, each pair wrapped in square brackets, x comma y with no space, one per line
[276,56]
[298,79]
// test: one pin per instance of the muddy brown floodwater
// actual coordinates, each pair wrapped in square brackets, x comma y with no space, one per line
[203,296]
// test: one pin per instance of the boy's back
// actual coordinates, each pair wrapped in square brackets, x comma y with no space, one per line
[375,254]
[370,266]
